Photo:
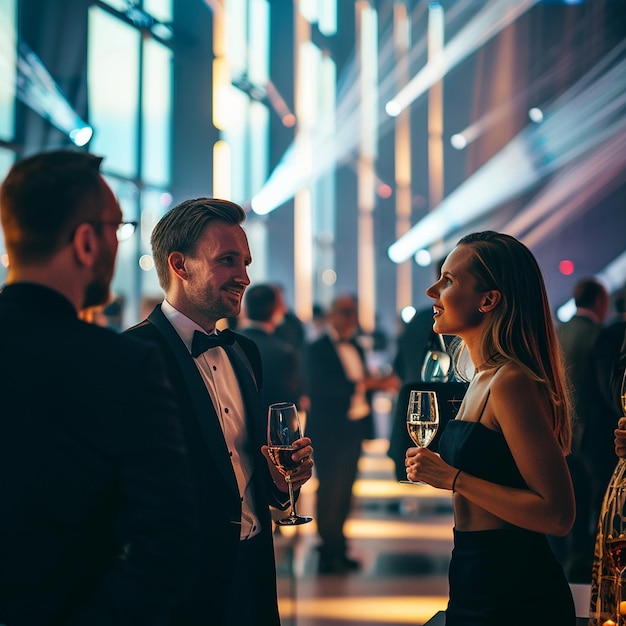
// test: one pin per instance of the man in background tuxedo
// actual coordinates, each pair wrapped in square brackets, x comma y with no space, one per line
[97,512]
[201,256]
[340,418]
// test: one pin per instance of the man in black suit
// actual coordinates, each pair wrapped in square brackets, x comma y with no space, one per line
[201,256]
[282,371]
[340,417]
[607,356]
[591,461]
[97,511]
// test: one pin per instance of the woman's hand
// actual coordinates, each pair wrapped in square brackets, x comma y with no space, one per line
[423,465]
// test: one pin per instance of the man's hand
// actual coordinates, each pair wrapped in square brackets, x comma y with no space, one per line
[302,456]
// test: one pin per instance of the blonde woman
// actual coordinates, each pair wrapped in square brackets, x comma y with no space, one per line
[504,454]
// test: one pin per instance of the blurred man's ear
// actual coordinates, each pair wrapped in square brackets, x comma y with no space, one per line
[85,244]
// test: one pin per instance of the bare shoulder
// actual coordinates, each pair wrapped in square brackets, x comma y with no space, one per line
[511,378]
[514,392]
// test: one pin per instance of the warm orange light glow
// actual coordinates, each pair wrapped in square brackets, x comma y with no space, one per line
[357,610]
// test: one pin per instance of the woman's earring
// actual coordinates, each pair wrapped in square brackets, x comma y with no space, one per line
[480,309]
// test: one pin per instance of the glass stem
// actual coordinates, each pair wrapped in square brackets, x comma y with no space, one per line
[292,501]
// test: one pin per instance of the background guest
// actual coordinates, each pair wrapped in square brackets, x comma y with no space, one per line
[607,354]
[340,418]
[591,461]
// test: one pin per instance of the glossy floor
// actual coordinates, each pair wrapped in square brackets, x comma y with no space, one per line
[401,534]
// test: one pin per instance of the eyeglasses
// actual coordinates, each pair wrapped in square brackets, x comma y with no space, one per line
[123,230]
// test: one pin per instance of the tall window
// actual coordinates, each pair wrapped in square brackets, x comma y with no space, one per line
[113,79]
[8,72]
[8,69]
[130,108]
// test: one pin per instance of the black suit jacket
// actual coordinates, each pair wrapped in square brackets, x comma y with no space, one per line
[330,392]
[282,372]
[218,496]
[594,420]
[97,514]
[610,344]
[413,344]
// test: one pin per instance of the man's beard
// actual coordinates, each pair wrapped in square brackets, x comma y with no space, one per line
[97,292]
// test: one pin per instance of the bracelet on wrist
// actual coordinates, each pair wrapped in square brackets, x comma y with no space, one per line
[454,480]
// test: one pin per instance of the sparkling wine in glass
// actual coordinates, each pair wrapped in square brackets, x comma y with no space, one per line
[283,428]
[422,419]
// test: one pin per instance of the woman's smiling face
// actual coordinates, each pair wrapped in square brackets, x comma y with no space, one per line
[456,298]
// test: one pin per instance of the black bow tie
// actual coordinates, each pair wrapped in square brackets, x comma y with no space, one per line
[201,342]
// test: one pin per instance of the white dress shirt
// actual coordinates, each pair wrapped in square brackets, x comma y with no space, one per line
[355,371]
[223,388]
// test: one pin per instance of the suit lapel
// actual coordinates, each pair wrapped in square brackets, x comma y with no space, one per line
[203,406]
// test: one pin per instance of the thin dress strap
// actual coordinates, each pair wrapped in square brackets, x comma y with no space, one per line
[484,405]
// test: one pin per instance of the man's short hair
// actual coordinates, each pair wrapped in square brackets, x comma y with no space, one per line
[44,197]
[586,292]
[182,226]
[260,302]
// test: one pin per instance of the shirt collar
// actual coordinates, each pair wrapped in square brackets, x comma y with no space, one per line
[183,325]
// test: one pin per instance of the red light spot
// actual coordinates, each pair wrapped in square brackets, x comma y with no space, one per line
[384,191]
[566,267]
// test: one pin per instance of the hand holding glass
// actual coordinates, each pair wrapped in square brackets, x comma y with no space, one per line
[422,419]
[283,428]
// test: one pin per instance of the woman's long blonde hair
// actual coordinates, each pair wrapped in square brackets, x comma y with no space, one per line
[521,327]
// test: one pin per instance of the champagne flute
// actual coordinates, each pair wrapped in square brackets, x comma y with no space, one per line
[283,428]
[436,367]
[422,420]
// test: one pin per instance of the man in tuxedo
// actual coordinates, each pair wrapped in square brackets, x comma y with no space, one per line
[201,256]
[340,418]
[283,379]
[97,511]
